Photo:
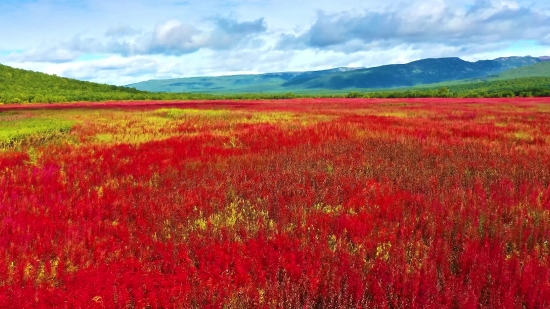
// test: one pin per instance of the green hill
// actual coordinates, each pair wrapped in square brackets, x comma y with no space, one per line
[527,86]
[541,69]
[235,83]
[421,72]
[416,73]
[425,71]
[18,85]
[474,88]
[23,86]
[245,83]
[519,75]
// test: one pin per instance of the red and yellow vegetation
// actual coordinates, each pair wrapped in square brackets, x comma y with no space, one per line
[319,203]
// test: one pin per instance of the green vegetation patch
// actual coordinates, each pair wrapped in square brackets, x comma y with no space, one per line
[541,69]
[176,113]
[272,117]
[521,135]
[395,114]
[13,131]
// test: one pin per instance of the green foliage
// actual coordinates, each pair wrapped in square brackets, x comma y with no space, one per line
[177,113]
[14,129]
[541,69]
[444,91]
[520,87]
[20,86]
[354,94]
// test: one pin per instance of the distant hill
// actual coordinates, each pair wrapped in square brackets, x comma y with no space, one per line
[541,69]
[420,72]
[524,86]
[269,82]
[528,72]
[22,86]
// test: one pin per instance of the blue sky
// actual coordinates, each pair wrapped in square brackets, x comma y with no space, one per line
[126,41]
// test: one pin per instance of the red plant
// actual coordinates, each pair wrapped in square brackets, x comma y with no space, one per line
[309,203]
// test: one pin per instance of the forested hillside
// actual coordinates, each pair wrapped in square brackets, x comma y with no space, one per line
[517,87]
[22,86]
[541,69]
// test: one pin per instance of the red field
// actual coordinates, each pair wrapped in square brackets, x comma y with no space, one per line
[349,203]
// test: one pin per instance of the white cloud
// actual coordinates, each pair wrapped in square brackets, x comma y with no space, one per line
[121,70]
[434,22]
[172,37]
[120,31]
[146,39]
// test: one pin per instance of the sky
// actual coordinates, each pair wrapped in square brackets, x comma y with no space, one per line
[127,41]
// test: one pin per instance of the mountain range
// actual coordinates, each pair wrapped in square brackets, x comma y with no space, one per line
[511,76]
[417,73]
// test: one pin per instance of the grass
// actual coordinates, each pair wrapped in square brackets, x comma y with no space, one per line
[541,69]
[521,135]
[395,114]
[16,130]
[175,113]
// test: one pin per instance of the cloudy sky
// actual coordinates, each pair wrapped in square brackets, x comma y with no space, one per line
[127,41]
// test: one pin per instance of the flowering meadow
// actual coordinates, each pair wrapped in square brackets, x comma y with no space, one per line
[305,203]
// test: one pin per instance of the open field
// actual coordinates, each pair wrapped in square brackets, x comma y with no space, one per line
[310,203]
